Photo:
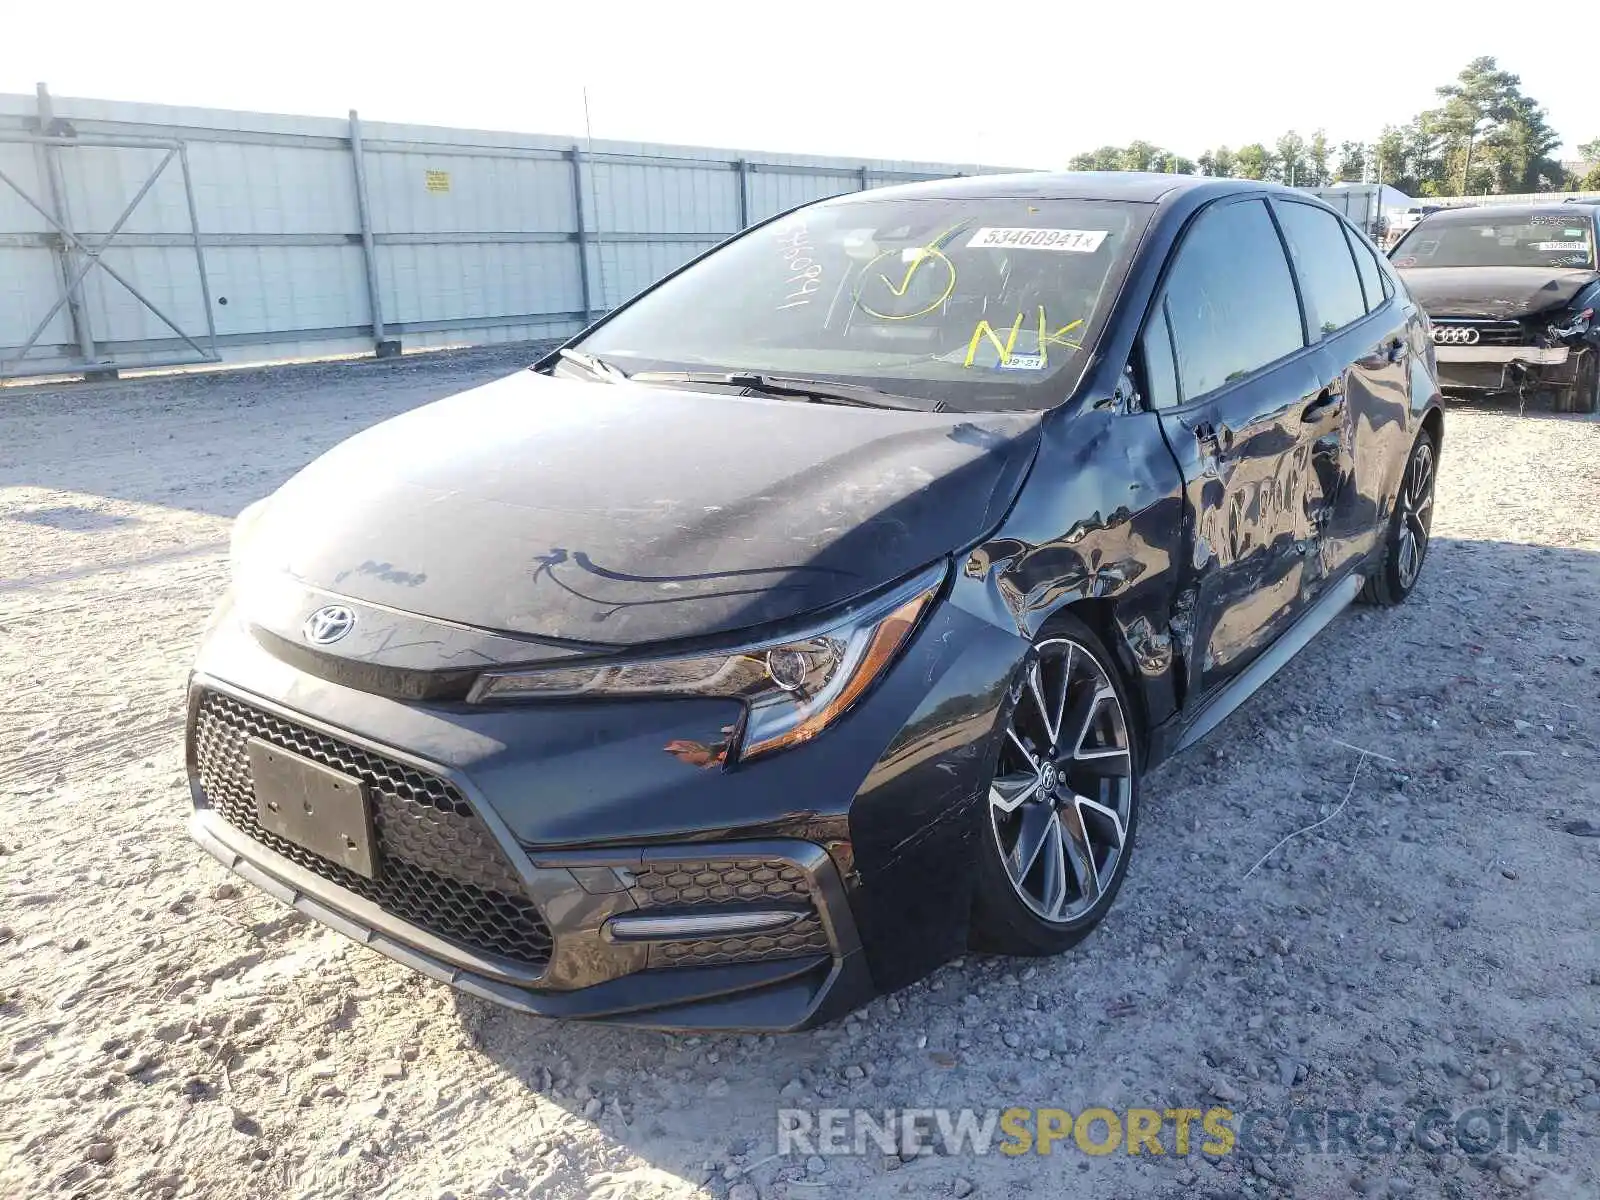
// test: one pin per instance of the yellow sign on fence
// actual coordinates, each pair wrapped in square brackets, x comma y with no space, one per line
[438,181]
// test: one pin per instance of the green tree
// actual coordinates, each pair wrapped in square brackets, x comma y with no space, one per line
[1255,161]
[1140,156]
[1352,162]
[1106,158]
[1137,155]
[1291,159]
[1317,173]
[1492,137]
[1590,153]
[1219,162]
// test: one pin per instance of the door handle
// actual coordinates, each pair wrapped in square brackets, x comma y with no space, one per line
[1213,438]
[1393,348]
[1329,402]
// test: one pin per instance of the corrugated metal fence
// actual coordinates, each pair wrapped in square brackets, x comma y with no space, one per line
[137,235]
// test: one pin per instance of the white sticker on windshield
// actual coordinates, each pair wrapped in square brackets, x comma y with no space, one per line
[1561,246]
[1022,362]
[1074,241]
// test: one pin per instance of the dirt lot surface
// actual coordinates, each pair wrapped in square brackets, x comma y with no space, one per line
[1433,945]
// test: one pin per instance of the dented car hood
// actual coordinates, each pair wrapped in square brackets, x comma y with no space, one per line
[621,514]
[1494,293]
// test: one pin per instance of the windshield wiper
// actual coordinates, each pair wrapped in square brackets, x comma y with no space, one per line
[595,366]
[820,391]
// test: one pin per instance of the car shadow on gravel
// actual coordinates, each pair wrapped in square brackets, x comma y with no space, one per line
[1233,969]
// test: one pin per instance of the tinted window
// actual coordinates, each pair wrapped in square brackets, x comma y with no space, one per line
[1367,265]
[1230,298]
[1328,278]
[1160,370]
[984,302]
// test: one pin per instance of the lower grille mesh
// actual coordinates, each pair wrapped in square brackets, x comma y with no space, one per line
[805,936]
[732,884]
[438,866]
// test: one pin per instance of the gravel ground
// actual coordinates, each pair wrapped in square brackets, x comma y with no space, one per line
[1433,944]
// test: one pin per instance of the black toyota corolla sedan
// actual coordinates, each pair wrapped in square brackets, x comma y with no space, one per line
[816,614]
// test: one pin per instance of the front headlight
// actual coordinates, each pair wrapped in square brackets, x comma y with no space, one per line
[1577,325]
[793,689]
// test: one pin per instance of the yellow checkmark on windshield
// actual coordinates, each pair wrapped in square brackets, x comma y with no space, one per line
[922,256]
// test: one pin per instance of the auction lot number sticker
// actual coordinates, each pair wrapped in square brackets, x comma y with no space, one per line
[1069,241]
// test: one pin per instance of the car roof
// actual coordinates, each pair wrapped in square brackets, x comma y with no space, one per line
[1144,187]
[1477,212]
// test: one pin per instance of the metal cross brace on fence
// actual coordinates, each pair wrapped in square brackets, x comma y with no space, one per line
[93,254]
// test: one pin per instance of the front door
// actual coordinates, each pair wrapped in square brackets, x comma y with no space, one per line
[1229,329]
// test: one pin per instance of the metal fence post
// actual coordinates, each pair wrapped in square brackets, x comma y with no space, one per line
[743,169]
[199,250]
[382,346]
[575,155]
[863,174]
[66,257]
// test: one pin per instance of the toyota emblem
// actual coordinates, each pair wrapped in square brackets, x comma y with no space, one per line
[328,624]
[1455,335]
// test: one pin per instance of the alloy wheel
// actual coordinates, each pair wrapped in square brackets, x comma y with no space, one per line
[1416,513]
[1061,799]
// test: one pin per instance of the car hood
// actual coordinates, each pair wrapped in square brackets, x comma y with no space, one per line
[1495,293]
[610,515]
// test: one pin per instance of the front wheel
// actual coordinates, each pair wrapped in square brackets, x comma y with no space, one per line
[1063,801]
[1584,396]
[1410,528]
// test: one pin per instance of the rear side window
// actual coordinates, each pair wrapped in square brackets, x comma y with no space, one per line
[1327,271]
[1230,298]
[1367,266]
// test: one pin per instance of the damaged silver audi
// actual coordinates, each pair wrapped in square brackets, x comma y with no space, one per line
[1512,291]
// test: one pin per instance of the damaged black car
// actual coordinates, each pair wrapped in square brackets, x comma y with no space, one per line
[819,613]
[1513,292]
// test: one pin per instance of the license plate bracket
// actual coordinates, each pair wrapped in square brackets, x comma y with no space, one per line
[317,808]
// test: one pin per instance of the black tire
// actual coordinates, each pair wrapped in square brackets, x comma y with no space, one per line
[1392,582]
[1584,396]
[1105,758]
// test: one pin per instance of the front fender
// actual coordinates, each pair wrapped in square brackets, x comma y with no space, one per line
[1100,525]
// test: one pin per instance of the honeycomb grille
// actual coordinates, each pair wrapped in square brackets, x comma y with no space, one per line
[804,937]
[723,881]
[730,883]
[438,867]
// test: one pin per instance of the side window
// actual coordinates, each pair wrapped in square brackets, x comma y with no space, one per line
[1230,298]
[1323,261]
[1160,368]
[1367,265]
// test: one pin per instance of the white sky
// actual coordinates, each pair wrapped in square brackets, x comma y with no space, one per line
[1015,85]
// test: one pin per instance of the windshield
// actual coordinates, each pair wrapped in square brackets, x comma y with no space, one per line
[983,303]
[1540,240]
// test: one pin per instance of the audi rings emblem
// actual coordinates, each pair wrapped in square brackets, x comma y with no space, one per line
[329,624]
[1455,335]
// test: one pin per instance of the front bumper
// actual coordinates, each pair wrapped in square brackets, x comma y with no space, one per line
[516,846]
[1501,368]
[780,994]
[463,902]
[1541,356]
